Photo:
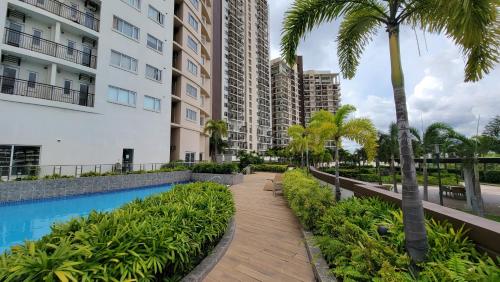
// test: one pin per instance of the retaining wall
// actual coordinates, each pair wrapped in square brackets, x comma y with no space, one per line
[484,232]
[226,179]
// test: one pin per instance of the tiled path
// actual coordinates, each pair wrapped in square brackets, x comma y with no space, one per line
[268,245]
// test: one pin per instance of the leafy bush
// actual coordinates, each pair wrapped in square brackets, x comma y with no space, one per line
[247,159]
[226,168]
[162,237]
[57,176]
[492,176]
[347,234]
[306,197]
[269,167]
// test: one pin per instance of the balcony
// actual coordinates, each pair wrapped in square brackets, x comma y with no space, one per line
[47,47]
[19,87]
[86,19]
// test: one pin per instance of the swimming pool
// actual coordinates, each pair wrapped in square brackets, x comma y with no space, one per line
[32,220]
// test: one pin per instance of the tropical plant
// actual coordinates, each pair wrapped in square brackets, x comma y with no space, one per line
[436,133]
[492,129]
[226,168]
[467,149]
[337,127]
[217,130]
[298,141]
[472,25]
[247,159]
[160,238]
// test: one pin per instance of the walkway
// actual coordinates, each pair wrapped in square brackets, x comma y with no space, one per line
[268,244]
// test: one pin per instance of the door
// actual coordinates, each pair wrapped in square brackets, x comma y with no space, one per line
[86,55]
[84,95]
[9,80]
[89,19]
[14,34]
[128,160]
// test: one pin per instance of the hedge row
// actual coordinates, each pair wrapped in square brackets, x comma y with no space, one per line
[226,168]
[269,168]
[162,237]
[347,234]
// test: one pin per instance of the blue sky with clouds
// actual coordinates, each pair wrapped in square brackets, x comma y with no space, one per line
[434,80]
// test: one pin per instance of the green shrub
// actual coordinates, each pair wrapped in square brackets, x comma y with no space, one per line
[225,168]
[269,167]
[492,176]
[247,159]
[57,176]
[27,178]
[162,237]
[90,174]
[306,197]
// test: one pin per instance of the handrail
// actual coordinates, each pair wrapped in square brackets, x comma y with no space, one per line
[20,87]
[27,41]
[58,8]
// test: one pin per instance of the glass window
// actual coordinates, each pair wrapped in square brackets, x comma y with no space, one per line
[37,35]
[155,43]
[125,28]
[193,22]
[196,3]
[134,3]
[121,96]
[153,73]
[155,15]
[152,104]
[123,61]
[32,79]
[190,157]
[191,115]
[71,47]
[192,44]
[192,67]
[67,86]
[191,91]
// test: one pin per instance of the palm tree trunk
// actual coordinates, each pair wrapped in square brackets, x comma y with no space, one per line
[413,211]
[215,151]
[473,189]
[337,173]
[377,164]
[393,173]
[426,180]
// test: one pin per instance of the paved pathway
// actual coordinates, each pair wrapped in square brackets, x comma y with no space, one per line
[268,244]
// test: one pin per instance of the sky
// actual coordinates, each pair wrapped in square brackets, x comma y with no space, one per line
[434,80]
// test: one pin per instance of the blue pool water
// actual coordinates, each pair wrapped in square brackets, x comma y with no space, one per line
[32,220]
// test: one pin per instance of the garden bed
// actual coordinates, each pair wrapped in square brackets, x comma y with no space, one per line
[347,235]
[162,237]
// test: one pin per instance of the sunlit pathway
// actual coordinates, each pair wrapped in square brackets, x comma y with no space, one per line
[268,245]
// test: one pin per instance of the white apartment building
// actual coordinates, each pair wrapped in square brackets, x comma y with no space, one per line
[191,80]
[246,101]
[85,82]
[285,95]
[321,92]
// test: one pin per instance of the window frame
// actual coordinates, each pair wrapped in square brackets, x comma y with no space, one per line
[158,72]
[159,17]
[138,7]
[190,86]
[191,40]
[193,22]
[117,20]
[156,102]
[188,110]
[117,101]
[157,41]
[67,90]
[122,56]
[193,65]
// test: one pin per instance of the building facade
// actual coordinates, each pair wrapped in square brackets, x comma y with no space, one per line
[245,101]
[191,80]
[286,100]
[321,92]
[85,82]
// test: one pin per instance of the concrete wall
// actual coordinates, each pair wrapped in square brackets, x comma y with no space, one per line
[46,189]
[227,179]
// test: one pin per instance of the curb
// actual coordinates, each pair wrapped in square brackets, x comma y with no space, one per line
[207,264]
[318,263]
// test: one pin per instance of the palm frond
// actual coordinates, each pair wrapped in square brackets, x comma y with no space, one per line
[472,25]
[342,114]
[356,32]
[363,132]
[304,15]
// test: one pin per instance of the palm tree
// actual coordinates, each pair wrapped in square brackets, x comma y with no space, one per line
[298,142]
[337,126]
[467,149]
[470,24]
[217,130]
[436,133]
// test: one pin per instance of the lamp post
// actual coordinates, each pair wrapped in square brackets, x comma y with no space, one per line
[436,151]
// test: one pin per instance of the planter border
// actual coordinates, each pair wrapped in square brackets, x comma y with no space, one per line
[316,258]
[207,264]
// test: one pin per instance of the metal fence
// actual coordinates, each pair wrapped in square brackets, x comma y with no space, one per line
[27,41]
[20,87]
[30,172]
[87,19]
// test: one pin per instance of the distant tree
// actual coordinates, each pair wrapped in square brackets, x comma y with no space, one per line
[217,130]
[298,141]
[492,129]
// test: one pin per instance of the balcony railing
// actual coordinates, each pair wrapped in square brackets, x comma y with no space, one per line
[47,47]
[19,87]
[86,19]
